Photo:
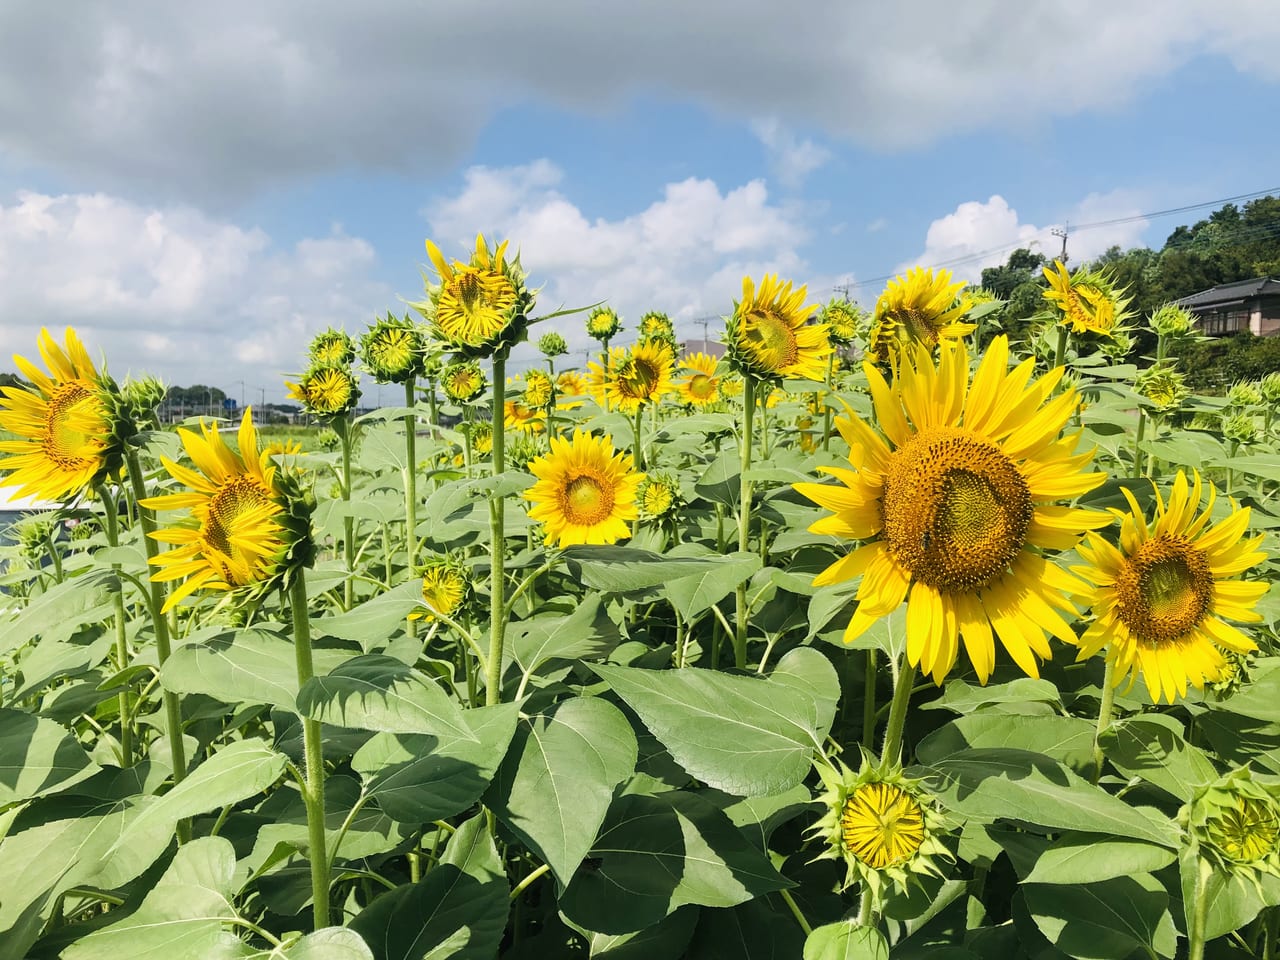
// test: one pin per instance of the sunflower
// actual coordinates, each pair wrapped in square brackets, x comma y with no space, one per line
[700,387]
[552,345]
[251,524]
[1163,386]
[524,418]
[538,388]
[768,336]
[843,320]
[444,587]
[331,348]
[1236,821]
[884,826]
[1086,301]
[585,492]
[570,387]
[636,376]
[953,494]
[603,323]
[392,350]
[283,448]
[658,496]
[481,434]
[1161,598]
[918,308]
[481,306]
[462,381]
[326,391]
[71,428]
[657,326]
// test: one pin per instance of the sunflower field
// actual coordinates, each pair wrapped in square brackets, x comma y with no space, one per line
[885,634]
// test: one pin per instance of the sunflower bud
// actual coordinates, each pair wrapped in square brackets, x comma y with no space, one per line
[539,390]
[1244,393]
[603,323]
[328,392]
[843,320]
[1269,387]
[392,350]
[462,381]
[1172,321]
[1240,428]
[445,587]
[331,348]
[1086,301]
[1164,387]
[552,345]
[1236,823]
[140,398]
[658,326]
[658,496]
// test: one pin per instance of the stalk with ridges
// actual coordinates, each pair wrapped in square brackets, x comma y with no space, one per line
[497,542]
[744,519]
[313,787]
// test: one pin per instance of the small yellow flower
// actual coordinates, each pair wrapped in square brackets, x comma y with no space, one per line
[331,348]
[444,587]
[526,419]
[920,307]
[571,387]
[462,381]
[1085,301]
[392,350]
[769,335]
[658,496]
[700,387]
[538,388]
[480,306]
[586,492]
[636,376]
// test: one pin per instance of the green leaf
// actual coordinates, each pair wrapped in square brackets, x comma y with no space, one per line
[242,666]
[749,931]
[376,692]
[62,609]
[743,735]
[185,914]
[417,778]
[664,940]
[458,911]
[845,941]
[38,757]
[655,854]
[1040,792]
[1066,739]
[696,594]
[1087,858]
[1152,747]
[382,447]
[624,569]
[586,633]
[374,620]
[964,698]
[331,943]
[557,781]
[1260,697]
[1104,921]
[810,672]
[721,483]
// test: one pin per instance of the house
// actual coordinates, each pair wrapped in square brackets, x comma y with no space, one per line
[1246,305]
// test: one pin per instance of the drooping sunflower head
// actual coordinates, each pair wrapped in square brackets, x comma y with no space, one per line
[392,349]
[1172,321]
[538,388]
[655,325]
[586,491]
[71,424]
[249,522]
[524,418]
[331,348]
[956,495]
[445,586]
[552,345]
[603,323]
[658,496]
[571,387]
[1164,387]
[1086,301]
[326,391]
[1162,597]
[844,320]
[700,385]
[768,336]
[920,307]
[637,375]
[462,381]
[479,307]
[1236,821]
[886,827]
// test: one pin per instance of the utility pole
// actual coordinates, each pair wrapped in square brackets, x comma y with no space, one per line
[843,289]
[1062,232]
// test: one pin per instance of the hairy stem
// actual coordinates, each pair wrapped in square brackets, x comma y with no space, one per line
[313,787]
[497,541]
[744,519]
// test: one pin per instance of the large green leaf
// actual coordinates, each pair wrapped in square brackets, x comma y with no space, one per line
[557,781]
[664,940]
[242,666]
[1152,747]
[1037,791]
[376,692]
[184,915]
[845,941]
[458,910]
[655,854]
[623,569]
[694,595]
[964,698]
[62,609]
[808,671]
[417,778]
[1260,697]
[585,633]
[1066,739]
[1088,858]
[749,931]
[375,620]
[720,482]
[1104,921]
[331,943]
[37,757]
[742,735]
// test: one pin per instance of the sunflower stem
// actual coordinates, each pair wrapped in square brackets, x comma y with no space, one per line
[172,707]
[636,448]
[604,364]
[795,911]
[313,787]
[1105,707]
[348,521]
[1137,443]
[866,908]
[1060,351]
[764,425]
[826,402]
[112,525]
[1199,911]
[411,477]
[898,712]
[744,519]
[497,541]
[869,701]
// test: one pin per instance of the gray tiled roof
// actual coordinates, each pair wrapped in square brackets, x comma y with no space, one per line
[1232,292]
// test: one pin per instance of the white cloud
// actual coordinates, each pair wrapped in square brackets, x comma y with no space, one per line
[791,159]
[217,101]
[175,292]
[977,235]
[684,254]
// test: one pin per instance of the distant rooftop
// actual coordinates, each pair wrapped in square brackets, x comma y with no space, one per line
[1226,294]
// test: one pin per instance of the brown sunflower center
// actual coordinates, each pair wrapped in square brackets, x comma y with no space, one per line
[921,324]
[769,339]
[955,509]
[882,825]
[238,512]
[1164,589]
[65,440]
[586,501]
[639,378]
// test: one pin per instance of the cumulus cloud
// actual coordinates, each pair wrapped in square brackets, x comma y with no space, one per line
[217,101]
[684,254]
[790,158]
[977,234]
[175,292]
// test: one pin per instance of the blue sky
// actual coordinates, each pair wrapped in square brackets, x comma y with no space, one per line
[200,191]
